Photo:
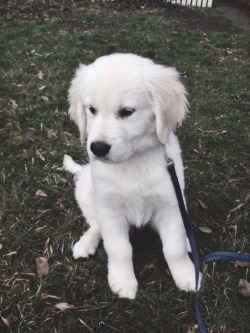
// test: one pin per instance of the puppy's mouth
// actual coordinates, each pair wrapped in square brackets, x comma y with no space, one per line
[105,159]
[102,159]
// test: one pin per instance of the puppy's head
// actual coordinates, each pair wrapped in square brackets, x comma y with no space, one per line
[125,104]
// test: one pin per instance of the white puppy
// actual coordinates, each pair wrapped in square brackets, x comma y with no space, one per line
[128,107]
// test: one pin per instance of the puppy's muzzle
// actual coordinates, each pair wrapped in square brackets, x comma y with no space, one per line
[100,148]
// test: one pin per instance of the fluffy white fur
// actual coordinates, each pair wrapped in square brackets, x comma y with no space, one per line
[129,185]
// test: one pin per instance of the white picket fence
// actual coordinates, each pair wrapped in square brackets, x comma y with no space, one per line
[196,3]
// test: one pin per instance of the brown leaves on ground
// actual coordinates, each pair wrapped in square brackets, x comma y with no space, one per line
[206,230]
[63,306]
[242,263]
[244,287]
[41,193]
[86,290]
[42,266]
[201,204]
[239,206]
[40,75]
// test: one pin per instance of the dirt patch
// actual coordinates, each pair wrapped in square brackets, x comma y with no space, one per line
[237,16]
[187,18]
[42,9]
[243,5]
[38,9]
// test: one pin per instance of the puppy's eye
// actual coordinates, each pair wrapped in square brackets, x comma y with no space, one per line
[92,110]
[126,112]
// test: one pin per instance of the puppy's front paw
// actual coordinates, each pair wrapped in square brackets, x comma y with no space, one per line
[82,250]
[122,282]
[86,245]
[184,276]
[67,162]
[187,283]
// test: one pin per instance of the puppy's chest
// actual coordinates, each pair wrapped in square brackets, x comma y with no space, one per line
[136,195]
[139,210]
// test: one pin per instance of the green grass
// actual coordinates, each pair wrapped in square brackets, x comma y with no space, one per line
[36,132]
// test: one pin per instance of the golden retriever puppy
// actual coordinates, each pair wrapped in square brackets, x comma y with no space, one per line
[127,107]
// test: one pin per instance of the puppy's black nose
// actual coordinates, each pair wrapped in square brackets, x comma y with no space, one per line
[100,148]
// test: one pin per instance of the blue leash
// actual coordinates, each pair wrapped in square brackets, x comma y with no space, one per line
[221,255]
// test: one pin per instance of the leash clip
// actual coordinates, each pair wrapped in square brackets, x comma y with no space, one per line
[168,160]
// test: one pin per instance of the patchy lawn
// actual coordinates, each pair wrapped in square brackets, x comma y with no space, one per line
[42,42]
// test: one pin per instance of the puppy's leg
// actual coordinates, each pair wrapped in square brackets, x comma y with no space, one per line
[121,277]
[169,224]
[70,165]
[87,244]
[85,197]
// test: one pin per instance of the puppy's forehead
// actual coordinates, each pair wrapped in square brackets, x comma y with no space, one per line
[117,83]
[117,75]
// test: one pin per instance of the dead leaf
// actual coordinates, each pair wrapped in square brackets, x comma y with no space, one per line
[240,205]
[244,288]
[45,98]
[236,208]
[196,151]
[68,134]
[206,230]
[11,318]
[222,132]
[13,104]
[59,205]
[242,263]
[41,193]
[87,290]
[40,75]
[202,205]
[42,266]
[89,287]
[204,271]
[40,155]
[63,181]
[46,243]
[63,306]
[46,296]
[42,87]
[10,254]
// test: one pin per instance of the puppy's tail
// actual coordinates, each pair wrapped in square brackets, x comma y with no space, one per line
[70,165]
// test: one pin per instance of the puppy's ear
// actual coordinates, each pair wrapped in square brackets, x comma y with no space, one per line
[75,97]
[168,96]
